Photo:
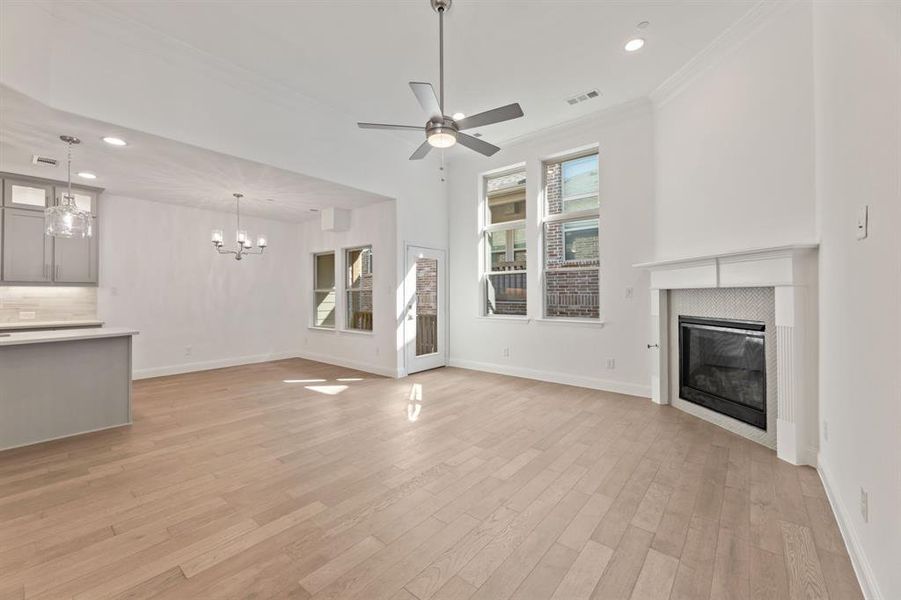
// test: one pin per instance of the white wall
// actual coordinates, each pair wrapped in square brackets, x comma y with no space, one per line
[160,275]
[373,225]
[734,144]
[565,352]
[858,150]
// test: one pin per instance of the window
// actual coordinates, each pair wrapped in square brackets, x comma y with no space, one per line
[504,240]
[358,263]
[324,290]
[571,238]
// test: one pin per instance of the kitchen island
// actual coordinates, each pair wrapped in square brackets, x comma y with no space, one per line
[55,384]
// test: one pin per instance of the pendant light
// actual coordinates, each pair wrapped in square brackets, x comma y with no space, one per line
[65,219]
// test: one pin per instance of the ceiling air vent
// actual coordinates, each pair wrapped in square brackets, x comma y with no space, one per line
[43,160]
[582,97]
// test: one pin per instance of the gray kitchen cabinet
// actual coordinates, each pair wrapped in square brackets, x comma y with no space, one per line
[27,252]
[27,193]
[75,260]
[27,255]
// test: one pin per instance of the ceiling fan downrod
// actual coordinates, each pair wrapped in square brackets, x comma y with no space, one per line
[441,7]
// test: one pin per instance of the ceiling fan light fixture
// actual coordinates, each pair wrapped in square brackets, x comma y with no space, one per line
[441,134]
[442,139]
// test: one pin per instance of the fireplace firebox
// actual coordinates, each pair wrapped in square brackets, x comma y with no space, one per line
[722,366]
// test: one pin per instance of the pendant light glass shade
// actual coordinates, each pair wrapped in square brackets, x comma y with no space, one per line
[65,219]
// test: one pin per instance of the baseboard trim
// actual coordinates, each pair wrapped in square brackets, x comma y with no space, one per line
[862,568]
[350,364]
[65,436]
[619,387]
[209,365]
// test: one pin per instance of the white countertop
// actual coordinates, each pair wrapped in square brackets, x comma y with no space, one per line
[48,324]
[62,335]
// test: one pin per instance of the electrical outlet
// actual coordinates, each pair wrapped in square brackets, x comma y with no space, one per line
[507,352]
[114,291]
[188,350]
[864,505]
[26,315]
[825,430]
[629,293]
[611,363]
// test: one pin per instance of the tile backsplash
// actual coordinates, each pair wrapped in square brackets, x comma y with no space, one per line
[47,303]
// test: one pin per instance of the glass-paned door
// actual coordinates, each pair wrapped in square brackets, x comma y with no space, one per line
[424,321]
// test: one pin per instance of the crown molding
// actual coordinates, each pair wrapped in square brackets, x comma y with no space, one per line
[720,48]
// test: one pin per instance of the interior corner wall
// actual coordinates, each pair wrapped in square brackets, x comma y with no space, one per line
[572,353]
[734,145]
[858,162]
[195,309]
[373,225]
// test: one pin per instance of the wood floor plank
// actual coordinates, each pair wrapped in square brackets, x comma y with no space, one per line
[805,575]
[625,565]
[245,482]
[547,574]
[655,581]
[586,571]
[767,574]
[732,567]
[333,569]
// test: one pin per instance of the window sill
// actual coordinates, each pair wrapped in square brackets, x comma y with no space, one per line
[505,318]
[599,323]
[317,328]
[357,332]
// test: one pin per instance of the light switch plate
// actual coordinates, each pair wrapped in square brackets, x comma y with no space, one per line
[862,224]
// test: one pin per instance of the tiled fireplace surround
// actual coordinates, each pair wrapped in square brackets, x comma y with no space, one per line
[726,286]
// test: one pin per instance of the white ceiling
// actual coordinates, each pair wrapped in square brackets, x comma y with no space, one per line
[283,82]
[358,56]
[155,168]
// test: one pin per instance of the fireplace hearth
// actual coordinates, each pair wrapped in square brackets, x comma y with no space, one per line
[722,366]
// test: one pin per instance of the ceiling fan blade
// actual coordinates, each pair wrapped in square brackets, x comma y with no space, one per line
[387,126]
[427,98]
[489,117]
[420,152]
[474,143]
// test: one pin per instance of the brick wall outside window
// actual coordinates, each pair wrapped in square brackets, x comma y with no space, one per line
[568,293]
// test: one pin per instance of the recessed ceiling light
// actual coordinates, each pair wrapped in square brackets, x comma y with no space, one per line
[87,175]
[114,141]
[458,116]
[634,44]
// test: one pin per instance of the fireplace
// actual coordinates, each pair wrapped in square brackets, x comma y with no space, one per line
[722,366]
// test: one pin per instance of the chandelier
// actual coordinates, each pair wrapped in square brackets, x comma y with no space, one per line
[65,219]
[244,241]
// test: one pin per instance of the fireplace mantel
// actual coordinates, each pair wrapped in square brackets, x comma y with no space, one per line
[792,271]
[756,267]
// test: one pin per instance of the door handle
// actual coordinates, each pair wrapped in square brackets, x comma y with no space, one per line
[654,346]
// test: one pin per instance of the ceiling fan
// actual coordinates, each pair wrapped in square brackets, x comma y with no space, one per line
[442,131]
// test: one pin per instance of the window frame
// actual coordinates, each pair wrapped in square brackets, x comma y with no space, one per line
[348,288]
[561,219]
[509,228]
[317,290]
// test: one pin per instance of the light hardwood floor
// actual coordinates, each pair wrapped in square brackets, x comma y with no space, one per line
[250,483]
